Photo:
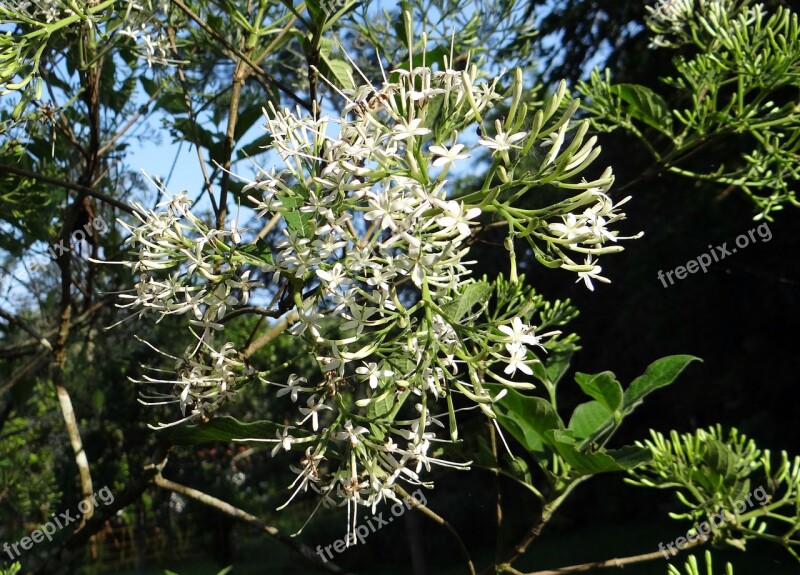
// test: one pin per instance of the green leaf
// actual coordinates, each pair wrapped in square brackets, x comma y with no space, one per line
[337,10]
[601,461]
[227,428]
[722,461]
[334,68]
[246,120]
[474,293]
[316,12]
[431,57]
[630,456]
[557,365]
[587,418]
[384,409]
[296,220]
[337,70]
[644,105]
[519,468]
[98,400]
[255,147]
[527,419]
[150,86]
[603,387]
[658,374]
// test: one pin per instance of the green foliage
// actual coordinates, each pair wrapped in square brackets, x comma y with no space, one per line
[714,472]
[28,472]
[735,84]
[578,450]
[692,568]
[12,569]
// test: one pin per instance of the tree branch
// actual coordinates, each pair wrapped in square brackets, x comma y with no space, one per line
[441,521]
[498,493]
[187,103]
[69,186]
[533,533]
[246,517]
[24,325]
[261,72]
[619,562]
[80,537]
[272,333]
[129,124]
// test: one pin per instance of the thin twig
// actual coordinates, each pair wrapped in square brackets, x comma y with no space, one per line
[272,333]
[618,562]
[252,309]
[23,324]
[69,186]
[246,517]
[261,72]
[129,124]
[548,510]
[238,80]
[187,103]
[441,521]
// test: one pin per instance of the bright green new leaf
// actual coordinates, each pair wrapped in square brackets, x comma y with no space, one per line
[603,387]
[658,374]
[588,418]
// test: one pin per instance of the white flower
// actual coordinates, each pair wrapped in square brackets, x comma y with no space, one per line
[555,141]
[597,226]
[373,373]
[292,387]
[358,318]
[334,278]
[517,361]
[454,217]
[672,11]
[312,411]
[447,157]
[519,334]
[404,130]
[502,142]
[284,441]
[588,276]
[571,228]
[351,434]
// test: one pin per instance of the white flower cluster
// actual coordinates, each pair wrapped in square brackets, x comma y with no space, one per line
[147,31]
[135,19]
[205,283]
[670,18]
[367,220]
[372,255]
[47,11]
[586,233]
